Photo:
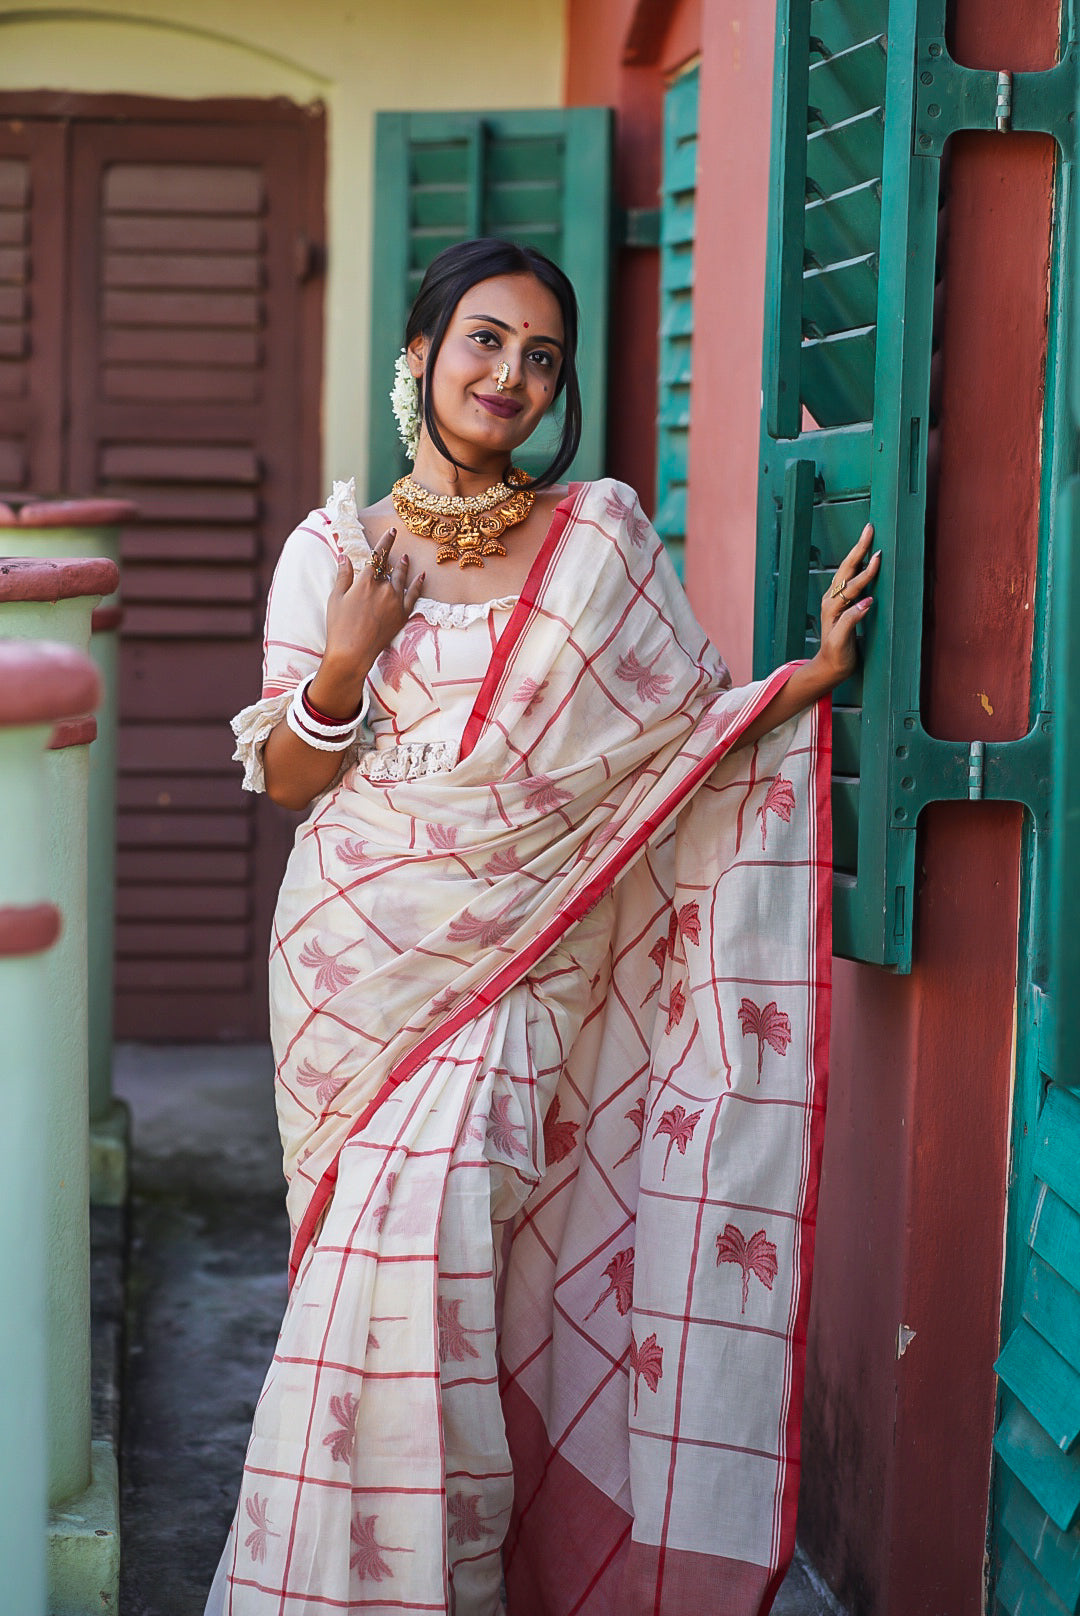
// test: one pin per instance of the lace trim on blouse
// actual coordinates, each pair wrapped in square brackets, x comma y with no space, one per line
[443,614]
[411,760]
[252,727]
[346,524]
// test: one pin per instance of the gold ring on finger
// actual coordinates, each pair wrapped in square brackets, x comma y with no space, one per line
[838,589]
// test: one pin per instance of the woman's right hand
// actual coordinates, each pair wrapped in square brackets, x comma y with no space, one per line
[363,614]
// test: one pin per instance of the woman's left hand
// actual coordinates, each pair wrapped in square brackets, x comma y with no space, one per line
[843,606]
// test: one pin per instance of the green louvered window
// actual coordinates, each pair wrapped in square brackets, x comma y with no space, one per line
[865,97]
[542,178]
[677,206]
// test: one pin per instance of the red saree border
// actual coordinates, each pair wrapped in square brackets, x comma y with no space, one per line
[820,919]
[511,971]
[564,513]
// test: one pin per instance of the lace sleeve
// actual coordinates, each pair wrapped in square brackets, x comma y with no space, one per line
[295,636]
[251,727]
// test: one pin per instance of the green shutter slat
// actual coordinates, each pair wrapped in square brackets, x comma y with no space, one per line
[845,225]
[677,222]
[443,164]
[1057,1152]
[842,23]
[847,739]
[1054,1233]
[838,376]
[840,296]
[850,81]
[680,169]
[536,163]
[676,268]
[524,208]
[844,154]
[1045,1383]
[676,362]
[678,316]
[837,524]
[1050,1476]
[1022,1592]
[1052,1307]
[671,517]
[1055,1555]
[539,177]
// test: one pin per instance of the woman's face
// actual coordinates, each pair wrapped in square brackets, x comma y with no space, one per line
[512,320]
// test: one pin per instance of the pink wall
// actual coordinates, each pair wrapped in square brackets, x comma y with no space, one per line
[729,277]
[896,1449]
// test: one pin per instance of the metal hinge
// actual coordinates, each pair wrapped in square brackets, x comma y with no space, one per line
[976,763]
[949,97]
[926,769]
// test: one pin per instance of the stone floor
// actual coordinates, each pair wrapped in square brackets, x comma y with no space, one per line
[206,1288]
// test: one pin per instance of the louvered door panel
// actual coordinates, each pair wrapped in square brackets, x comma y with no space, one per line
[185,399]
[32,193]
[1037,1486]
[846,417]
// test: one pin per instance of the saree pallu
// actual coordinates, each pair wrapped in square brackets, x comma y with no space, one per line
[550,1030]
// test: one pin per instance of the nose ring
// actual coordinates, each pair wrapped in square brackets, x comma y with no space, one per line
[504,376]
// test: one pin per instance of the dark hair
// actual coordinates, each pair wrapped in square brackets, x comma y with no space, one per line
[449,276]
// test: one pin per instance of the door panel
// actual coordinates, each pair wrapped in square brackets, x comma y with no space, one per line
[160,336]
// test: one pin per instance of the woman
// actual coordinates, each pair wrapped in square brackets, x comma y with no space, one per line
[549,999]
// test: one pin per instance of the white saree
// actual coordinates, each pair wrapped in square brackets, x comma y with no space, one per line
[549,997]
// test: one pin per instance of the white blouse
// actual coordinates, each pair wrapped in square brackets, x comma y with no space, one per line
[424,685]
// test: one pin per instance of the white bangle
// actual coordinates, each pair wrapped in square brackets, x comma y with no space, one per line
[314,733]
[327,729]
[309,738]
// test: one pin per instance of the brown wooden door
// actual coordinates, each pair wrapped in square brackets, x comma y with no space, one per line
[190,385]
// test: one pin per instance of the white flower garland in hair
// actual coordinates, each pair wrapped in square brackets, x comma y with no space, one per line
[405,398]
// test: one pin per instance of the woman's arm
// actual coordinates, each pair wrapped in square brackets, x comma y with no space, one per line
[837,656]
[363,614]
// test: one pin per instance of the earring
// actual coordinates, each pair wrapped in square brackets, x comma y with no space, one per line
[504,376]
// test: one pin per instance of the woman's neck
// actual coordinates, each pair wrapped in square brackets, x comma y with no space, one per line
[433,471]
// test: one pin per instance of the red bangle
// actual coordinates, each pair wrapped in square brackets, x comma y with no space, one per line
[321,718]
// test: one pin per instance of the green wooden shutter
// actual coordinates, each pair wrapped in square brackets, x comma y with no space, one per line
[841,390]
[678,194]
[542,178]
[865,97]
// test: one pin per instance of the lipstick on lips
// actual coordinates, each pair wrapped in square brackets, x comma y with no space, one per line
[497,405]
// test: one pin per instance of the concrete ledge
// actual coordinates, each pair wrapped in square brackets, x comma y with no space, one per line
[109,1149]
[83,1543]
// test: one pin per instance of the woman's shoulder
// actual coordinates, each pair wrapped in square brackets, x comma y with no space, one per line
[615,507]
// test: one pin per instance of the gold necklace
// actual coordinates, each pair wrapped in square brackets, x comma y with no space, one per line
[465,527]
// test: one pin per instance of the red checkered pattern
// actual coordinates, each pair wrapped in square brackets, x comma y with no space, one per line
[550,1030]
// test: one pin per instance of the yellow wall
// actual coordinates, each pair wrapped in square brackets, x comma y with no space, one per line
[356,56]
